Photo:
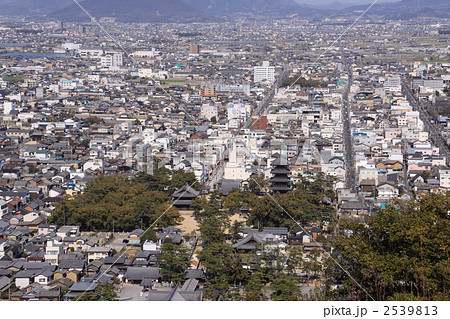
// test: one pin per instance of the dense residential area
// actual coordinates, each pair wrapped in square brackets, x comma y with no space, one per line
[244,159]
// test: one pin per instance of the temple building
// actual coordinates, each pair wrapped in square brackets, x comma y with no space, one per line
[280,176]
[183,197]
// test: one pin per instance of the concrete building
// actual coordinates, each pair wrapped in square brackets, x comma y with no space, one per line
[264,73]
[194,49]
[112,60]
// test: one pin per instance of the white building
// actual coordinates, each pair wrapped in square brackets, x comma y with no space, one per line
[145,73]
[95,53]
[8,107]
[3,208]
[264,73]
[444,177]
[209,110]
[112,60]
[393,84]
[52,251]
[71,46]
[238,110]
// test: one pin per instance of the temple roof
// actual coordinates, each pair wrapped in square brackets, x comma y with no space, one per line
[185,191]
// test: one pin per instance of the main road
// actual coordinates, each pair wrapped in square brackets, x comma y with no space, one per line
[347,133]
[262,108]
[436,137]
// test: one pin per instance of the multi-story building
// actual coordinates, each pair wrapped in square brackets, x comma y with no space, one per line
[112,60]
[264,73]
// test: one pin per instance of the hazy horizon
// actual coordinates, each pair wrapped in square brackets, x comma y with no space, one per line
[345,2]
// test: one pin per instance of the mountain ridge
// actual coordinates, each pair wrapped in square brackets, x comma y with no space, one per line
[32,7]
[406,9]
[271,7]
[171,11]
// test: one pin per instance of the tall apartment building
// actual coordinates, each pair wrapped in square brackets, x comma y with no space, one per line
[112,60]
[264,72]
[393,84]
[194,49]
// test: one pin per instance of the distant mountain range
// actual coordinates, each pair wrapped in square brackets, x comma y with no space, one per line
[184,11]
[406,9]
[31,7]
[133,11]
[3,2]
[268,7]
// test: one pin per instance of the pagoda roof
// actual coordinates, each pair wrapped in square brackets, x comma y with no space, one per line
[281,161]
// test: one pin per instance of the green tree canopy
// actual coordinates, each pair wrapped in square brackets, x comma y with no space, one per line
[101,293]
[128,204]
[173,261]
[401,252]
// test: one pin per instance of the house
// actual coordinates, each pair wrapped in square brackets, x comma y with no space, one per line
[44,277]
[135,275]
[37,256]
[226,185]
[4,209]
[354,208]
[80,288]
[149,246]
[53,249]
[5,283]
[195,274]
[72,264]
[94,267]
[96,253]
[134,237]
[48,295]
[444,177]
[72,231]
[253,240]
[171,233]
[187,292]
[280,233]
[387,191]
[74,275]
[23,278]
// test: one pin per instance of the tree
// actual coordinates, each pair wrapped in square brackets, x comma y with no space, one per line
[217,258]
[294,260]
[235,230]
[254,289]
[213,230]
[148,235]
[32,169]
[85,143]
[284,289]
[173,261]
[400,252]
[115,199]
[312,264]
[257,183]
[101,293]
